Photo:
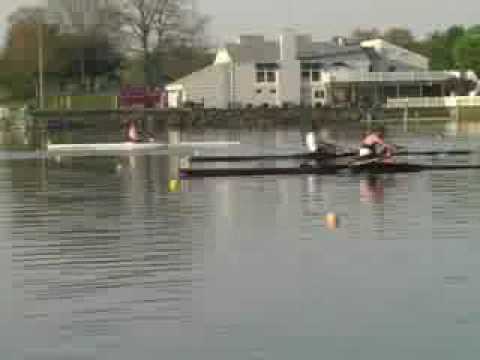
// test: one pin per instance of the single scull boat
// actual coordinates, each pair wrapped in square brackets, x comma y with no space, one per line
[131,146]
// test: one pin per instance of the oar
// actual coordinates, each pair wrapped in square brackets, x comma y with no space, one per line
[434,153]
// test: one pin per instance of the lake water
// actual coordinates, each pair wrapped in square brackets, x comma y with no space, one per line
[105,258]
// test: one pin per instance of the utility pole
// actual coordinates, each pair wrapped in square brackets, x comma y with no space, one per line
[41,102]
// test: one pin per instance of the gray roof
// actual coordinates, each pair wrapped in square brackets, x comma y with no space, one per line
[211,72]
[326,50]
[269,51]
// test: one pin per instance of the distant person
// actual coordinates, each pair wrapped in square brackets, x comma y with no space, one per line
[131,131]
[135,135]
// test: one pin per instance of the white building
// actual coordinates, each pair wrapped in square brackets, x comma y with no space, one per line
[296,70]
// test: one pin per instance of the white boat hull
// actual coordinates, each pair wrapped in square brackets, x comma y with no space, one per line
[129,146]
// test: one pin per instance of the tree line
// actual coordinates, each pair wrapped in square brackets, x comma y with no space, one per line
[135,41]
[456,47]
[153,41]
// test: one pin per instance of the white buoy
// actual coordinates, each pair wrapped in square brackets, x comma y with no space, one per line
[185,162]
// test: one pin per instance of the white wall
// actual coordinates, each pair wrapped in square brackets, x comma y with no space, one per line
[289,82]
[209,86]
[246,87]
[174,98]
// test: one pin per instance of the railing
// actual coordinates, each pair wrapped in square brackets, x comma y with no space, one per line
[410,77]
[434,102]
[104,102]
[82,102]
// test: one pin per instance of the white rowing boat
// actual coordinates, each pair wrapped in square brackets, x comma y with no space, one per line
[129,146]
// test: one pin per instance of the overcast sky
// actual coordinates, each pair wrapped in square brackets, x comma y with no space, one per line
[6,7]
[323,19]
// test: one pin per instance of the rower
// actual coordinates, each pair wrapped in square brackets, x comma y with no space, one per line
[134,134]
[325,147]
[373,146]
[311,142]
[131,131]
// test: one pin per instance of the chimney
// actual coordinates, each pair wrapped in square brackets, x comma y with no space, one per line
[253,41]
[340,41]
[288,45]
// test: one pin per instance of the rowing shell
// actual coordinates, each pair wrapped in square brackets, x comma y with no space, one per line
[318,156]
[130,146]
[375,168]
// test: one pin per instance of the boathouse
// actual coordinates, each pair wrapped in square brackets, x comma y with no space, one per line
[295,70]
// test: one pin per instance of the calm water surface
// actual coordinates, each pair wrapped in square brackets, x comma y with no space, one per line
[102,259]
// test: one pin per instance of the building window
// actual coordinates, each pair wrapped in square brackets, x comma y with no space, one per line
[258,91]
[319,94]
[311,70]
[392,68]
[273,91]
[266,72]
[370,68]
[260,76]
[271,76]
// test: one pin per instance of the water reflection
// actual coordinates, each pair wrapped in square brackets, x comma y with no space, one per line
[83,231]
[372,189]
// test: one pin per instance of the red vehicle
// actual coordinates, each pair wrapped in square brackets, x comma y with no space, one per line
[132,96]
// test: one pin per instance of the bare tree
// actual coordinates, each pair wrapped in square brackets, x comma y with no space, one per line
[139,17]
[158,25]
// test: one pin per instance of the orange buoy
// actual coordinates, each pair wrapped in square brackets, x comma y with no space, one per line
[331,221]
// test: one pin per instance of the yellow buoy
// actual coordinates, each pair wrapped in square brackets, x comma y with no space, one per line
[331,220]
[173,185]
